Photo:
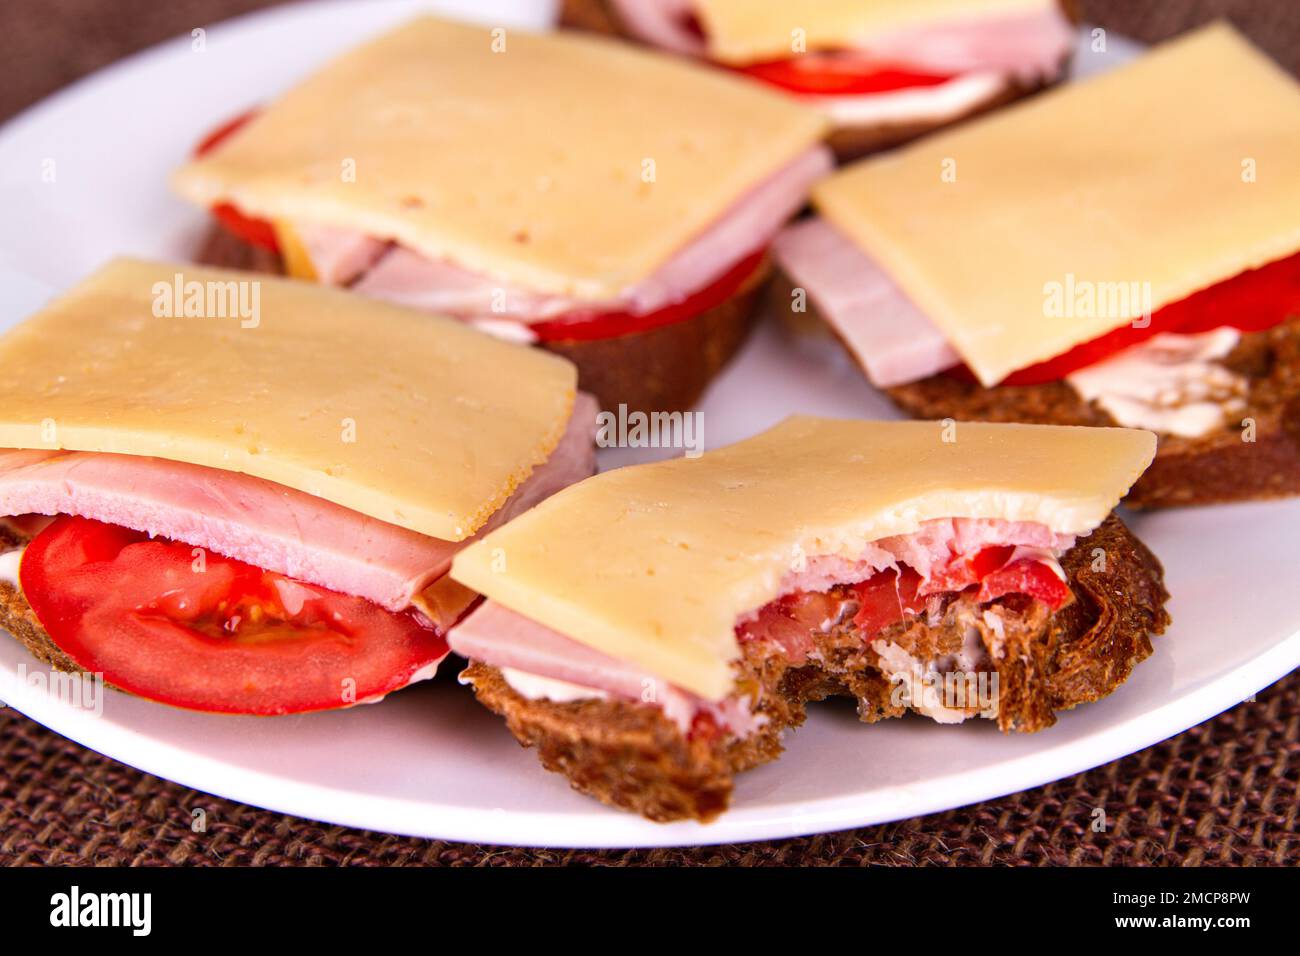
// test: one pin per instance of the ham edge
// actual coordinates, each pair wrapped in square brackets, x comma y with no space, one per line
[265,524]
[405,277]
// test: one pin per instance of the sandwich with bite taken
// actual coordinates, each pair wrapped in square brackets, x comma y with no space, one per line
[881,71]
[657,629]
[1121,251]
[602,202]
[242,494]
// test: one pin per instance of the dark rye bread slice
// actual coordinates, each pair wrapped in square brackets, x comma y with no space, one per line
[629,755]
[665,369]
[848,142]
[1239,463]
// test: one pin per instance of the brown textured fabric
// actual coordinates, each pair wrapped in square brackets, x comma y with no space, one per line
[1224,792]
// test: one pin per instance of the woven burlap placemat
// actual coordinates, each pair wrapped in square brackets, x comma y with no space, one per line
[1223,792]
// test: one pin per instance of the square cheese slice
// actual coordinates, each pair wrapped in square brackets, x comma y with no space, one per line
[412,419]
[1086,208]
[564,163]
[655,564]
[743,31]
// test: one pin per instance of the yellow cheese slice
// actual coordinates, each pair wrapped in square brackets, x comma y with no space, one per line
[564,163]
[410,418]
[743,31]
[654,564]
[1058,220]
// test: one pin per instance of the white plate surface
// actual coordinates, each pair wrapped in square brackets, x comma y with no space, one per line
[429,761]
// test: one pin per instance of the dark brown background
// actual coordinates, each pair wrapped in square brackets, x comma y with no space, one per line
[1223,792]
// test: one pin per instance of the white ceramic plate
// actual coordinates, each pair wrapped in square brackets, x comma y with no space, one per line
[429,761]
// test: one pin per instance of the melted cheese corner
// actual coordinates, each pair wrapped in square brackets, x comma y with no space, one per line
[743,31]
[655,564]
[409,418]
[1077,212]
[564,163]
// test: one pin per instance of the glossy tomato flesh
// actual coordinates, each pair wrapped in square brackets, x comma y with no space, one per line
[588,325]
[257,232]
[190,628]
[841,73]
[888,596]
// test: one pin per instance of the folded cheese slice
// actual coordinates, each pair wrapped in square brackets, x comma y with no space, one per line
[656,564]
[416,420]
[742,31]
[1089,207]
[567,164]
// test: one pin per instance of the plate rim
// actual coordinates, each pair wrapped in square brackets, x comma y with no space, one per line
[604,829]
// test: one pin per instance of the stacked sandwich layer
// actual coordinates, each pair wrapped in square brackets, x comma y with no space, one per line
[331,454]
[881,72]
[485,175]
[704,601]
[1122,308]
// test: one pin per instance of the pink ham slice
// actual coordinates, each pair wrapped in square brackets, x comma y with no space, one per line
[1029,45]
[882,327]
[436,285]
[666,24]
[407,278]
[266,524]
[493,634]
[339,255]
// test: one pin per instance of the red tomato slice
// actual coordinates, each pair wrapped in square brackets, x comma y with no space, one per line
[962,573]
[1026,576]
[257,232]
[585,326]
[885,599]
[988,560]
[223,636]
[840,73]
[790,621]
[1252,301]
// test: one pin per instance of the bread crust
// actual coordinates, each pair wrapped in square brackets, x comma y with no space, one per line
[1255,458]
[630,756]
[848,142]
[664,369]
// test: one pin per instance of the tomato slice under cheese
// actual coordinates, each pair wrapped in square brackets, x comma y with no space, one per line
[197,630]
[1252,301]
[841,73]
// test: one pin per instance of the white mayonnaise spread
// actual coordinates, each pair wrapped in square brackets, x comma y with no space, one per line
[536,687]
[9,562]
[929,103]
[927,682]
[1171,383]
[506,329]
